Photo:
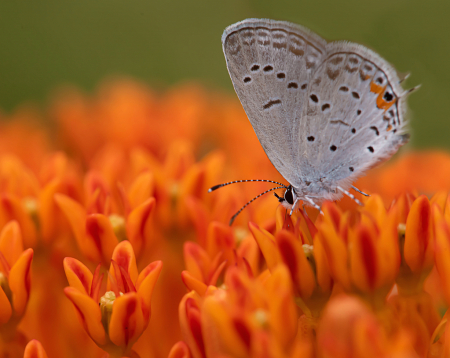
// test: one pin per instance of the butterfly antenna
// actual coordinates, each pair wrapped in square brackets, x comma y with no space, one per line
[256,197]
[215,187]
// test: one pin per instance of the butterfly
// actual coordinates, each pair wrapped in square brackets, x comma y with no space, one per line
[324,113]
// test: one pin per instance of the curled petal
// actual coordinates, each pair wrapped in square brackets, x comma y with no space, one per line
[439,199]
[375,206]
[127,321]
[442,256]
[139,224]
[267,245]
[191,325]
[364,259]
[12,208]
[196,260]
[11,242]
[332,215]
[78,275]
[283,312]
[5,307]
[141,189]
[123,255]
[323,274]
[220,239]
[76,215]
[145,285]
[97,193]
[193,284]
[101,234]
[337,255]
[19,281]
[226,333]
[418,236]
[180,350]
[291,251]
[89,313]
[47,212]
[34,349]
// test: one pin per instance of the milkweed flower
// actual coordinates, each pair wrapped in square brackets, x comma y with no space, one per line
[124,175]
[15,280]
[248,317]
[116,319]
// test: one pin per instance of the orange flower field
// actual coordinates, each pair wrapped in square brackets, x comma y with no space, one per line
[111,245]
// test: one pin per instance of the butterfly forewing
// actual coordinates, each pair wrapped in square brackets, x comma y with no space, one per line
[271,64]
[354,111]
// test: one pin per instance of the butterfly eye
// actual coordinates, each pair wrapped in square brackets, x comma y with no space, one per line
[288,196]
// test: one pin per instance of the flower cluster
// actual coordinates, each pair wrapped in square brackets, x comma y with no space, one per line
[111,245]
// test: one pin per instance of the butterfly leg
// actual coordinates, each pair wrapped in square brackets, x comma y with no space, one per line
[359,191]
[294,206]
[313,204]
[350,195]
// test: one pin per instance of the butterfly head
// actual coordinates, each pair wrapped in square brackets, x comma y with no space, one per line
[289,197]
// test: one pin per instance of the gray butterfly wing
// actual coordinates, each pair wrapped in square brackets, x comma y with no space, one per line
[354,116]
[270,64]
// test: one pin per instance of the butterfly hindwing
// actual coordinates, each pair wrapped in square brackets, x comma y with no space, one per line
[354,112]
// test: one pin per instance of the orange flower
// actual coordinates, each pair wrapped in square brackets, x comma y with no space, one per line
[306,263]
[98,230]
[252,316]
[129,175]
[116,319]
[349,329]
[15,264]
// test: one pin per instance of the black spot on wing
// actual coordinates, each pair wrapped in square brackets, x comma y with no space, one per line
[272,103]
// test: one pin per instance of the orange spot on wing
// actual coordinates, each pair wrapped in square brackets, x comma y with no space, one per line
[382,104]
[376,88]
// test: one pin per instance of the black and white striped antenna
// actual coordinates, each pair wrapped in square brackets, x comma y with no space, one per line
[215,187]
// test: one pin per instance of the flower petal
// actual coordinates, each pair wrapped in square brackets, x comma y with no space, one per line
[101,235]
[5,307]
[78,275]
[364,260]
[11,242]
[418,236]
[267,245]
[191,326]
[180,350]
[293,255]
[283,312]
[127,321]
[34,349]
[141,189]
[19,281]
[192,283]
[12,208]
[146,283]
[89,313]
[196,260]
[123,255]
[76,215]
[139,224]
[442,257]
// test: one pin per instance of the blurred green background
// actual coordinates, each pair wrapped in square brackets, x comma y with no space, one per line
[46,43]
